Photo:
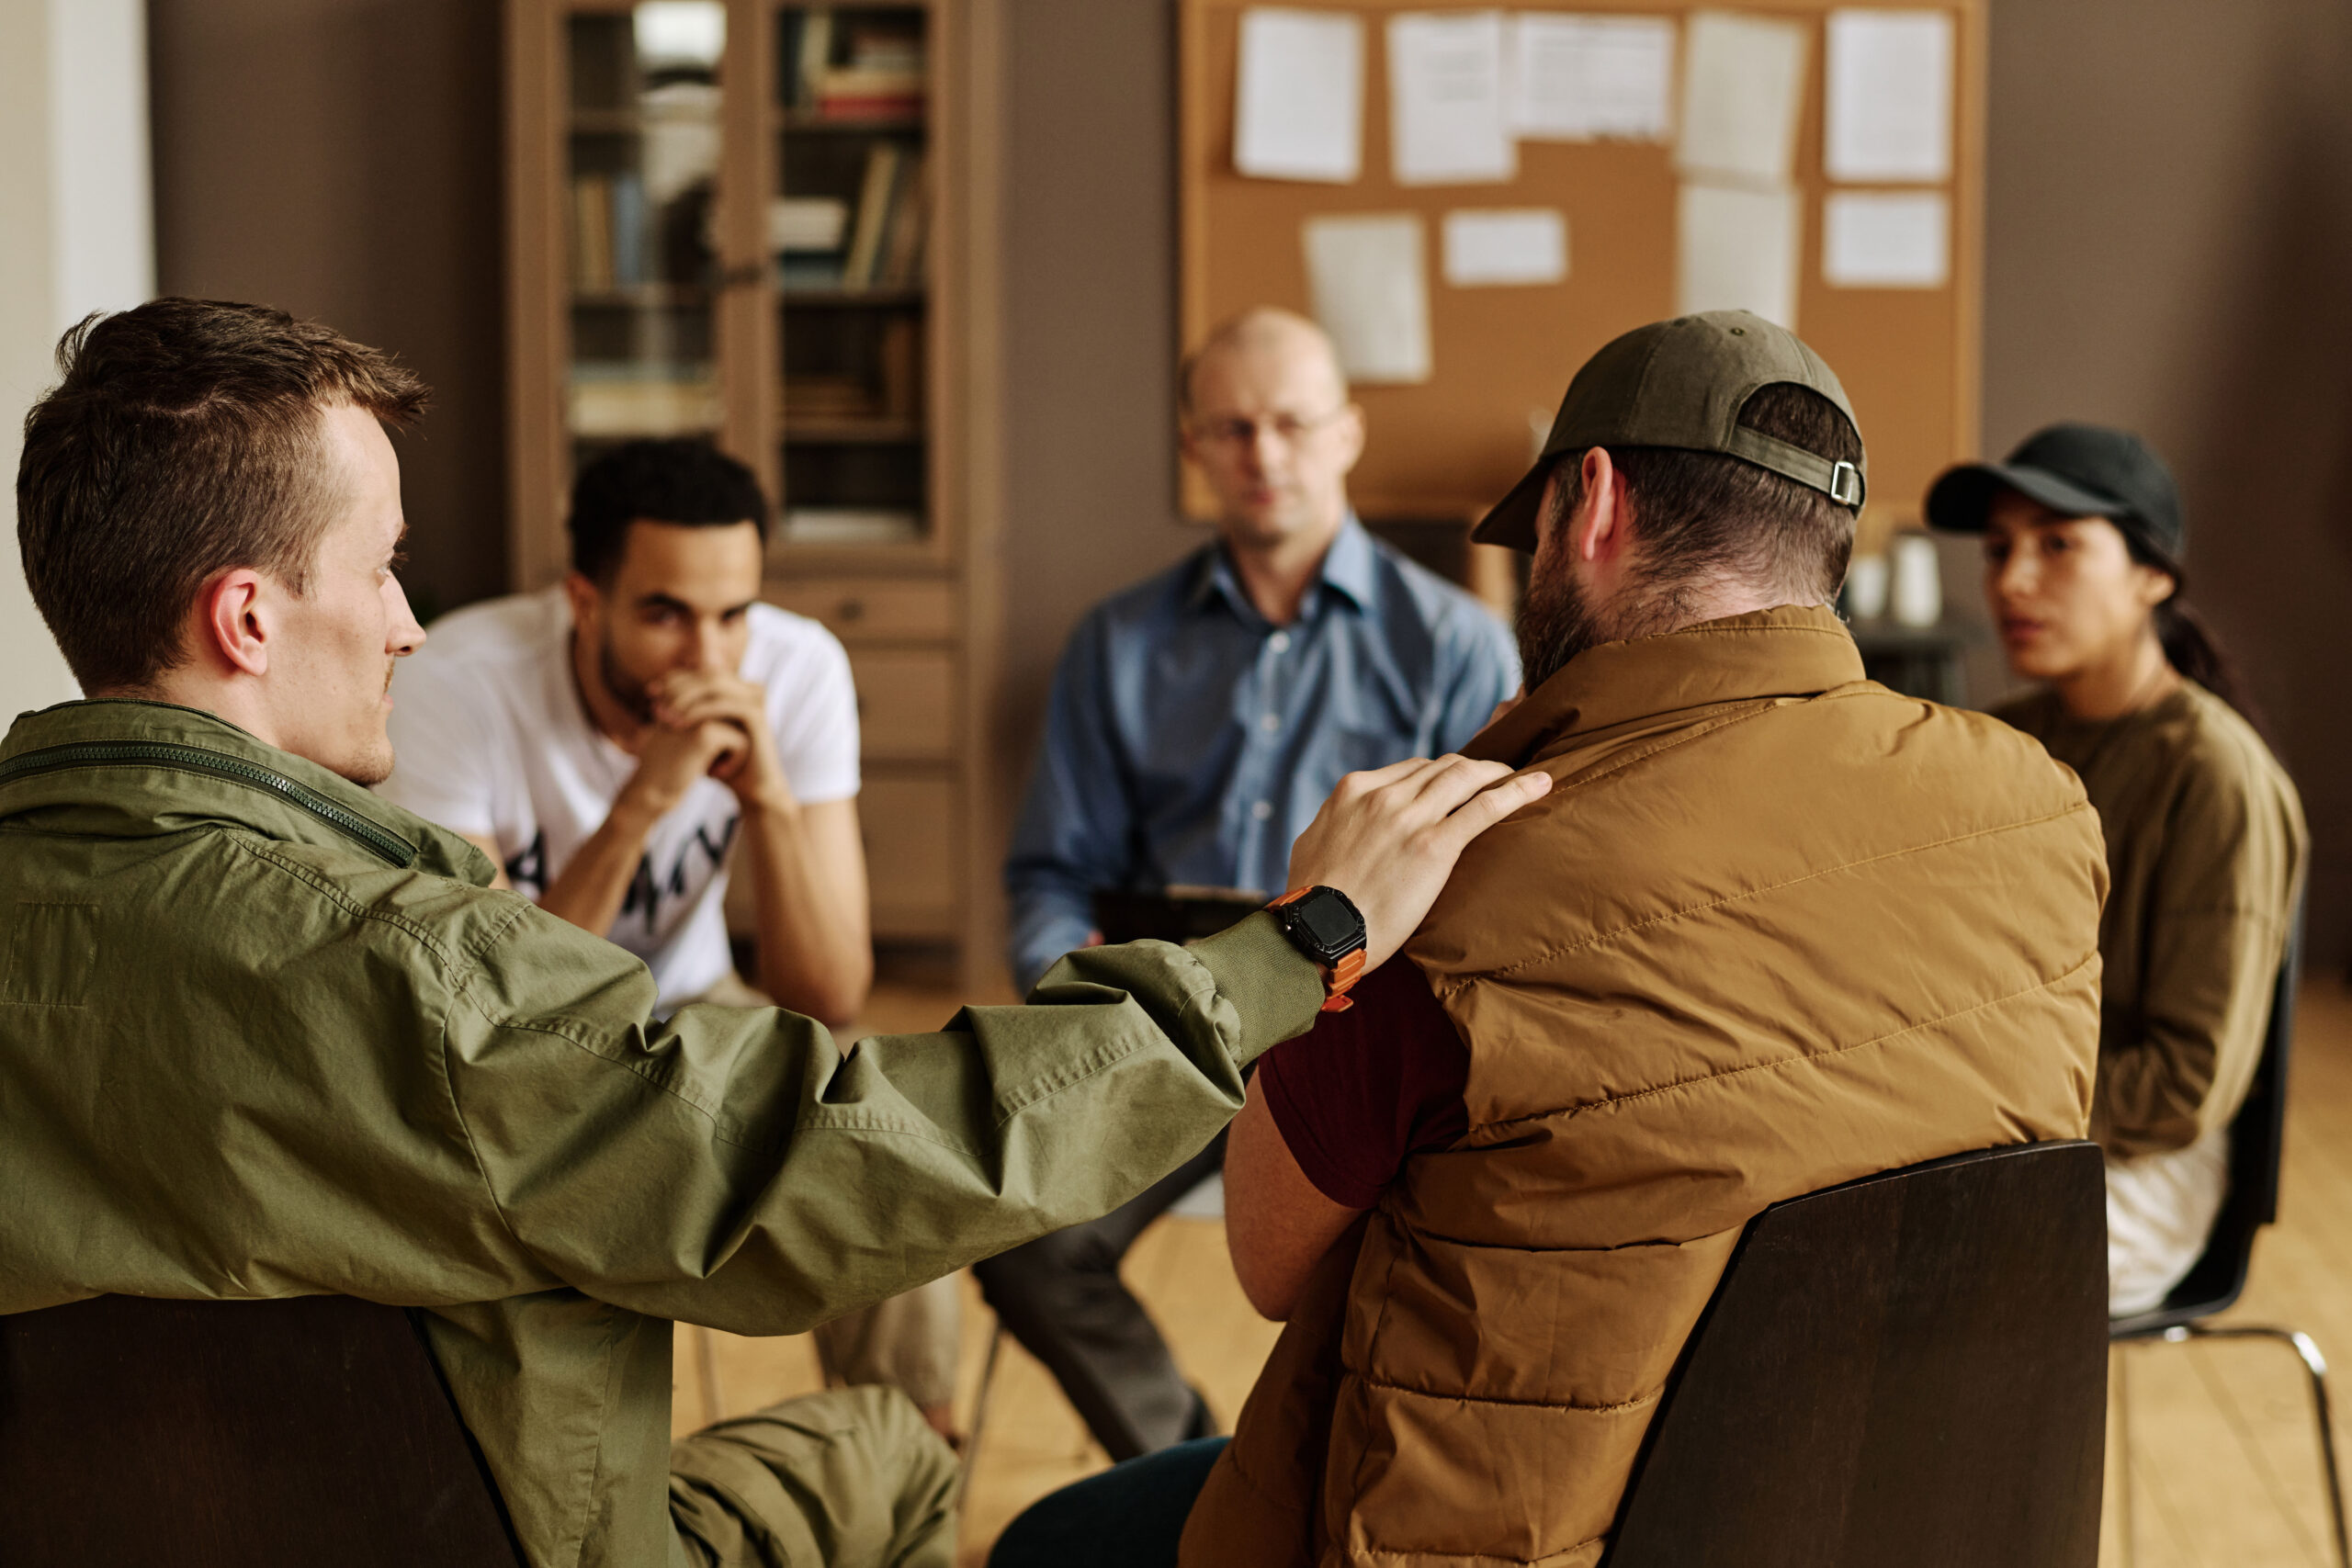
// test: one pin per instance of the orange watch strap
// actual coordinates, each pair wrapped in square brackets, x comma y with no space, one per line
[1336,977]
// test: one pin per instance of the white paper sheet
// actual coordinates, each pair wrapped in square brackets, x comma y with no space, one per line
[1886,240]
[1298,110]
[1487,247]
[1743,84]
[1370,293]
[1447,119]
[1583,78]
[1889,101]
[1736,250]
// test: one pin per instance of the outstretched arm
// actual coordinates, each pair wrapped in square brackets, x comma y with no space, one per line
[732,1168]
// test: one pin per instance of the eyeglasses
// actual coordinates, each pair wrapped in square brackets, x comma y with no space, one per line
[1289,429]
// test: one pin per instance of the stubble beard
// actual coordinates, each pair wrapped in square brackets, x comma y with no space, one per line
[1556,622]
[620,685]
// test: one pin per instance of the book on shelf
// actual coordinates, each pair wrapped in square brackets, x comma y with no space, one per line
[831,397]
[812,50]
[608,232]
[591,235]
[857,92]
[633,399]
[852,526]
[837,66]
[874,200]
[798,273]
[807,224]
[907,227]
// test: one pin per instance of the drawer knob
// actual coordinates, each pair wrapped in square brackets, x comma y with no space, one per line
[852,610]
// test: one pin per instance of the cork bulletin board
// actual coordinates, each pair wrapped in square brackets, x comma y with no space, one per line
[1449,446]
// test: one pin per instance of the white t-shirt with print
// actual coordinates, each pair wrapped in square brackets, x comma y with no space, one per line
[490,738]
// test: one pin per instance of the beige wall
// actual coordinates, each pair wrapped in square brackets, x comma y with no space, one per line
[340,159]
[2170,249]
[74,208]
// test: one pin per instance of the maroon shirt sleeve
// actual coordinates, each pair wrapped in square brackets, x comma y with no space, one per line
[1364,1088]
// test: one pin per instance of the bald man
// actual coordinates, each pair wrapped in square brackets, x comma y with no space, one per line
[1198,719]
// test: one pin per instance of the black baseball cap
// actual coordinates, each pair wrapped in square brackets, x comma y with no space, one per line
[1681,383]
[2080,470]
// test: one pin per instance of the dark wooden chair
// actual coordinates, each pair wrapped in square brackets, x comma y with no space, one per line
[2214,1283]
[235,1435]
[1909,1369]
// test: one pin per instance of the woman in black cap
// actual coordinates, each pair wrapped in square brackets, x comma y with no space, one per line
[2205,837]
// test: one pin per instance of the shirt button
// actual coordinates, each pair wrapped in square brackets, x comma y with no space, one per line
[1262,810]
[1279,642]
[1270,722]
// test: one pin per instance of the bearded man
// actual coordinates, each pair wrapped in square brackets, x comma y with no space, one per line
[1775,928]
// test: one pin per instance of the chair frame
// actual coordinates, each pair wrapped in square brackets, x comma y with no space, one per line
[2215,1281]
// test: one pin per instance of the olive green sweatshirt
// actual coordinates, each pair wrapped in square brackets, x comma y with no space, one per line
[263,1034]
[2205,851]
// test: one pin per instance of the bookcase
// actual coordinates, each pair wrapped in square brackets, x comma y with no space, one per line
[765,223]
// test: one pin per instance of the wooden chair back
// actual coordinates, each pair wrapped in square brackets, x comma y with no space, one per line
[1911,1368]
[236,1435]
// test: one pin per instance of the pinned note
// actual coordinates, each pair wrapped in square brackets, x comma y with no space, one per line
[1889,101]
[1505,246]
[1370,293]
[1298,113]
[1586,78]
[1736,250]
[1743,84]
[1886,240]
[1447,124]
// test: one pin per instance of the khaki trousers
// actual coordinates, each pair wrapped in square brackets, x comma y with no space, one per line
[910,1342]
[850,1478]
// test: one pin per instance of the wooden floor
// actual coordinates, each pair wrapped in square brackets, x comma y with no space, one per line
[2222,1463]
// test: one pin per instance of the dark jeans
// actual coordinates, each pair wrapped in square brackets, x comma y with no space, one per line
[1131,1516]
[1062,1298]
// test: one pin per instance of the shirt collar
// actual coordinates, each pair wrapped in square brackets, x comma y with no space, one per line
[1793,650]
[1348,568]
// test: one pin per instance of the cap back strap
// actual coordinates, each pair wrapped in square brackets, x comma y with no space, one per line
[1840,481]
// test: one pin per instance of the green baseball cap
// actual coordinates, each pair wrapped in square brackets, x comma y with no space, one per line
[1682,383]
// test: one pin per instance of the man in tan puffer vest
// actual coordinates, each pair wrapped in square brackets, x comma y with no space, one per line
[1774,927]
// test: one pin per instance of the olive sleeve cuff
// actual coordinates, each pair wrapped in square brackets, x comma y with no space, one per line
[1274,989]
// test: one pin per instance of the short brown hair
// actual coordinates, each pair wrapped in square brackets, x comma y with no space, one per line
[1702,516]
[182,440]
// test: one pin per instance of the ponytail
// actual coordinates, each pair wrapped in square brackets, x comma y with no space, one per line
[2191,648]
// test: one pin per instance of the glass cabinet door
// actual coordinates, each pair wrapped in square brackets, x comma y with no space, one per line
[849,234]
[644,140]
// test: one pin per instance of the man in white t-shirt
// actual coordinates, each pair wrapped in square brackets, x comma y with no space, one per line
[606,742]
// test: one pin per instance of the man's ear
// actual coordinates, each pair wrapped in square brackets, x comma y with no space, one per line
[587,605]
[1350,431]
[1597,528]
[234,620]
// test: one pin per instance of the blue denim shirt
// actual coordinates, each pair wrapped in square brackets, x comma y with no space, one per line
[1190,739]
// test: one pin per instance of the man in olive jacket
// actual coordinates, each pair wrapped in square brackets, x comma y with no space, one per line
[263,1034]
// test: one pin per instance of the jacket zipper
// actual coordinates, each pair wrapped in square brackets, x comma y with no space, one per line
[198,760]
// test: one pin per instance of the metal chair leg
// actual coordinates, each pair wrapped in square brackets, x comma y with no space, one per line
[981,1399]
[2315,1366]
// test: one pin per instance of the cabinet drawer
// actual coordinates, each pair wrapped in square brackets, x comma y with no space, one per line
[873,609]
[906,703]
[910,826]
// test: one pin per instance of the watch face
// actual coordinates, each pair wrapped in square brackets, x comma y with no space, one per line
[1328,924]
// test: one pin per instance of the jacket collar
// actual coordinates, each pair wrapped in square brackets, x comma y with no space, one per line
[132,768]
[1793,650]
[1348,569]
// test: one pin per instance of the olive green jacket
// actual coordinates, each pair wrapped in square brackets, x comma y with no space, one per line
[264,1035]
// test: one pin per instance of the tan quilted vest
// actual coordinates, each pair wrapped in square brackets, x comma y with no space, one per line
[1775,928]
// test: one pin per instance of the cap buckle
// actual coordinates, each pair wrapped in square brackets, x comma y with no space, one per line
[1846,484]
